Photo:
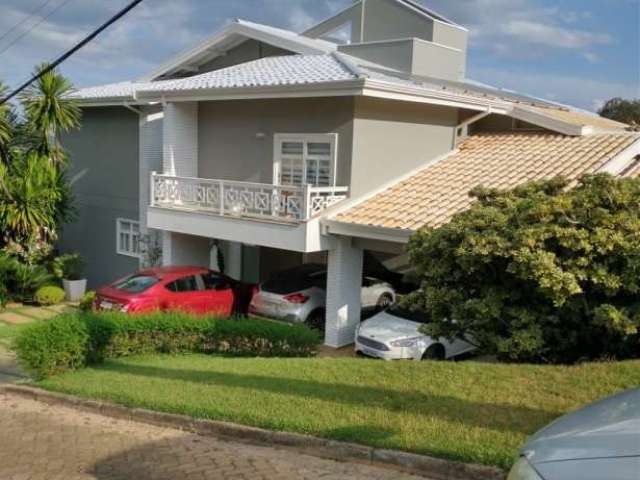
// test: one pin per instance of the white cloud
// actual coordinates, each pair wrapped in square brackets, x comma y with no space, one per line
[537,33]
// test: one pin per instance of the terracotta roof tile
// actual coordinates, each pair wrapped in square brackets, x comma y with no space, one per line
[495,160]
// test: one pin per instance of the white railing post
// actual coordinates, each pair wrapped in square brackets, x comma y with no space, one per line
[221,196]
[306,205]
[152,189]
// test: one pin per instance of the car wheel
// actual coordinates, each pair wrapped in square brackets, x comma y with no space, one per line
[434,352]
[316,320]
[384,301]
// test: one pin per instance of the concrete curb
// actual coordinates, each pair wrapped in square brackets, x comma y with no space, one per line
[435,468]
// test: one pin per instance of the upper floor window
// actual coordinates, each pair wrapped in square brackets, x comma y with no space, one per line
[128,237]
[302,158]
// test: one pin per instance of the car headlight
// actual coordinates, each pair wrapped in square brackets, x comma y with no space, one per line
[407,342]
[523,470]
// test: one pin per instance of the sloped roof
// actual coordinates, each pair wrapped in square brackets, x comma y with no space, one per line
[234,34]
[120,90]
[495,160]
[581,118]
[269,71]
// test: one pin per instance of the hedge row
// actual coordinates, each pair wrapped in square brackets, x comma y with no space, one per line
[76,340]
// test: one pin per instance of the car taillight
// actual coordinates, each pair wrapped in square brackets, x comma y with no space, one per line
[296,298]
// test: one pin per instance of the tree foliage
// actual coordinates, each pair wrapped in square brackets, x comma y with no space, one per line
[621,110]
[541,273]
[34,195]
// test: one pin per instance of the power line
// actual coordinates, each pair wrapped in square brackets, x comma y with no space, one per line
[24,20]
[26,32]
[73,50]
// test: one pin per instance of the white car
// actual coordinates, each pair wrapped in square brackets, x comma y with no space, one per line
[394,335]
[298,295]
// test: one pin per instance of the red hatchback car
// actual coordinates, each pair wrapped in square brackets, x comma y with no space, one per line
[188,289]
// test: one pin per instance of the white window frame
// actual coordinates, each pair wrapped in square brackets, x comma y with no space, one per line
[279,138]
[119,231]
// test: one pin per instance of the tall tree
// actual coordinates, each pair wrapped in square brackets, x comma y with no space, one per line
[621,110]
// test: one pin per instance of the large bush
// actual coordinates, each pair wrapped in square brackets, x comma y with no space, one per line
[44,350]
[49,348]
[542,273]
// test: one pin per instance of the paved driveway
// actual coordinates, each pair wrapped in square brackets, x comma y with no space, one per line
[38,441]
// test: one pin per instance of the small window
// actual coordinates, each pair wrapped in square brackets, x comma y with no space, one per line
[305,159]
[128,237]
[184,284]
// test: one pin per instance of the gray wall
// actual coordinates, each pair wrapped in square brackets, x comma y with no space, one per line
[391,138]
[104,174]
[245,52]
[384,20]
[228,146]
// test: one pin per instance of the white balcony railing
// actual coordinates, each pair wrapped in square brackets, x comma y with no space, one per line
[243,199]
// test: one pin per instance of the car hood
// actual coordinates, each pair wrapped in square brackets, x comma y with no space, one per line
[385,327]
[608,428]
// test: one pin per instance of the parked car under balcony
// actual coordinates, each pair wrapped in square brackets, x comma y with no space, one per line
[395,335]
[298,295]
[188,289]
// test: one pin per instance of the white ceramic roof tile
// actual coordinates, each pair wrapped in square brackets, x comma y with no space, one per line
[265,72]
[112,90]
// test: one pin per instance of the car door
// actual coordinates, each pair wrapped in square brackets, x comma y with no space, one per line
[219,295]
[186,295]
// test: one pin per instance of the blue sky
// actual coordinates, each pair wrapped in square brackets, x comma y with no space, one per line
[579,52]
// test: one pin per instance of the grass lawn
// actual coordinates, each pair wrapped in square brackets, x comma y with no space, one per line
[8,332]
[468,411]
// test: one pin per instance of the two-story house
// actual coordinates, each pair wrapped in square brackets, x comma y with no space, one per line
[278,148]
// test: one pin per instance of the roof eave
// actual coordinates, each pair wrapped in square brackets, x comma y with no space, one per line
[395,235]
[338,88]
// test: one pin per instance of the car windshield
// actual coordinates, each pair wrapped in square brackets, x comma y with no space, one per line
[136,284]
[413,315]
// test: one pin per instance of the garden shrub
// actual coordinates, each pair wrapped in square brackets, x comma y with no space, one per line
[49,295]
[250,337]
[53,347]
[27,279]
[541,273]
[98,336]
[69,266]
[86,302]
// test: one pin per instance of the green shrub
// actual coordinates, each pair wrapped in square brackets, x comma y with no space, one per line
[8,265]
[540,273]
[69,266]
[49,295]
[86,302]
[27,279]
[261,338]
[97,336]
[49,348]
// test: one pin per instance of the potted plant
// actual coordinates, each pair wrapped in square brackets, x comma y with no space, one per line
[70,269]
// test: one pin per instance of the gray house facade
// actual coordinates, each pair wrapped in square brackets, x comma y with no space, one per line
[276,148]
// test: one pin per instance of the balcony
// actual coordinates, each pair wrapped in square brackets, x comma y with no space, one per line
[257,201]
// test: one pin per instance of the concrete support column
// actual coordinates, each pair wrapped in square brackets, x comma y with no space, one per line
[233,260]
[344,283]
[150,160]
[180,139]
[181,249]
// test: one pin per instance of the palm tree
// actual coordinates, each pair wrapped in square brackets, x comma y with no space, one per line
[49,111]
[5,127]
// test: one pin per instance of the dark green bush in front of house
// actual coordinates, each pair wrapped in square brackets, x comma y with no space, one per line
[49,295]
[49,348]
[72,341]
[263,339]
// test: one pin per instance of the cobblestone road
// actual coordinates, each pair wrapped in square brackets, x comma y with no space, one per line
[42,442]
